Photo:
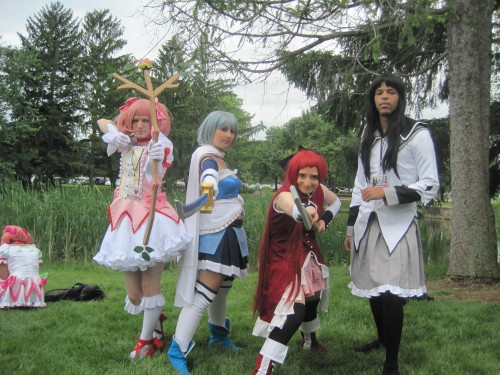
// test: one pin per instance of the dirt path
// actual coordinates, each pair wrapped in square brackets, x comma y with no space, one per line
[464,291]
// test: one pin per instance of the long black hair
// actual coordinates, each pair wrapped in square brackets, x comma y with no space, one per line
[398,124]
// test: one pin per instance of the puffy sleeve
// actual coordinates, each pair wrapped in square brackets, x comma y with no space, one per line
[4,249]
[40,261]
[169,150]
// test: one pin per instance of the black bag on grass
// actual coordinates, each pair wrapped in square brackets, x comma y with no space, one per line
[78,292]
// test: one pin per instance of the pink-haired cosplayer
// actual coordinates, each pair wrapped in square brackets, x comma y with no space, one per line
[129,212]
[20,282]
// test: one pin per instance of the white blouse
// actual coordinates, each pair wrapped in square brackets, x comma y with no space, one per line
[417,168]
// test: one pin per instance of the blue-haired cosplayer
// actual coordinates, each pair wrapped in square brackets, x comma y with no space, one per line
[218,252]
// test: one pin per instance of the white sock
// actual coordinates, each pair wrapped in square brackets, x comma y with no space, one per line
[190,316]
[218,308]
[152,310]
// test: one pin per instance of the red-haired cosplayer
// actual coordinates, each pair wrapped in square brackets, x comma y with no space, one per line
[20,282]
[293,277]
[122,247]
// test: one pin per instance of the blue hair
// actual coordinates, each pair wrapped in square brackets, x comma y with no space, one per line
[212,122]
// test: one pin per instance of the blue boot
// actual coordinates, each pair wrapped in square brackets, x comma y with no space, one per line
[218,335]
[178,358]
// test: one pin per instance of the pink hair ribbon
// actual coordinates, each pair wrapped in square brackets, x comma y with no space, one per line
[128,103]
[159,114]
[10,229]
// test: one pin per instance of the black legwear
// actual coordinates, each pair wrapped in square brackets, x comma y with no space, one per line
[311,310]
[376,307]
[292,324]
[393,316]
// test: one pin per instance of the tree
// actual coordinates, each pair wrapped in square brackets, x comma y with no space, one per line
[102,40]
[473,250]
[51,86]
[19,122]
[197,95]
[349,41]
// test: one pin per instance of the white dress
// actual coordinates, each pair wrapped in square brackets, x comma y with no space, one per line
[24,286]
[122,247]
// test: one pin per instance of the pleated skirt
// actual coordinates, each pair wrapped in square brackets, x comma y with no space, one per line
[229,258]
[374,270]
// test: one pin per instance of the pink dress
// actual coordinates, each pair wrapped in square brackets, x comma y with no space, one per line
[24,286]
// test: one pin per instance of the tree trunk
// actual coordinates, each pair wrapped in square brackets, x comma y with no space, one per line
[473,252]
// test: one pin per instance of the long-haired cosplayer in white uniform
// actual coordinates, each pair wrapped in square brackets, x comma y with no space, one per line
[396,170]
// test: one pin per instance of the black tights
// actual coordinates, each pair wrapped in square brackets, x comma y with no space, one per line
[387,310]
[292,324]
[311,310]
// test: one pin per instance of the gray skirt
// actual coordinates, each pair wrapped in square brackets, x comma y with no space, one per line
[374,270]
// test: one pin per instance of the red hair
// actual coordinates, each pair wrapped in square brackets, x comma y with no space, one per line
[302,159]
[16,235]
[141,107]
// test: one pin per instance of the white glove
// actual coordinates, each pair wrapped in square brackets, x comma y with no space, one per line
[115,139]
[156,151]
[209,177]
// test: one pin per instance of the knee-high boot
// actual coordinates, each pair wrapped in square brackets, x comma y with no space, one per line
[310,326]
[272,352]
[219,335]
[177,357]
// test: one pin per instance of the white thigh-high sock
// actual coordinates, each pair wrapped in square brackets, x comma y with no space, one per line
[217,309]
[152,309]
[190,316]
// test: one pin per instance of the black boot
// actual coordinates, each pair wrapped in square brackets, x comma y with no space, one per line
[370,347]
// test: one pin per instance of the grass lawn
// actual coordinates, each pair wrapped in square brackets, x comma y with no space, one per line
[439,337]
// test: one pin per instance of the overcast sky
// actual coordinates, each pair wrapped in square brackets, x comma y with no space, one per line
[273,103]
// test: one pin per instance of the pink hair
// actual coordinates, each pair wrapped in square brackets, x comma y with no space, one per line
[16,235]
[142,107]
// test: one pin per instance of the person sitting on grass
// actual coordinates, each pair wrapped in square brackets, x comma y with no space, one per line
[20,282]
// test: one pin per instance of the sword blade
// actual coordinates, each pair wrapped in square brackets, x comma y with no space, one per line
[186,210]
[306,218]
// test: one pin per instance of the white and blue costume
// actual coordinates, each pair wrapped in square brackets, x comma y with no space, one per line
[219,241]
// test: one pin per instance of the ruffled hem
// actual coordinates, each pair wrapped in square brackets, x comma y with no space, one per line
[11,305]
[22,292]
[132,261]
[393,289]
[231,271]
[153,301]
[261,328]
[131,308]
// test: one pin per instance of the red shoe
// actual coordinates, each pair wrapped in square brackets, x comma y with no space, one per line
[310,342]
[145,348]
[263,366]
[159,334]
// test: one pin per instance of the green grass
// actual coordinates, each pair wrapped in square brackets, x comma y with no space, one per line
[85,338]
